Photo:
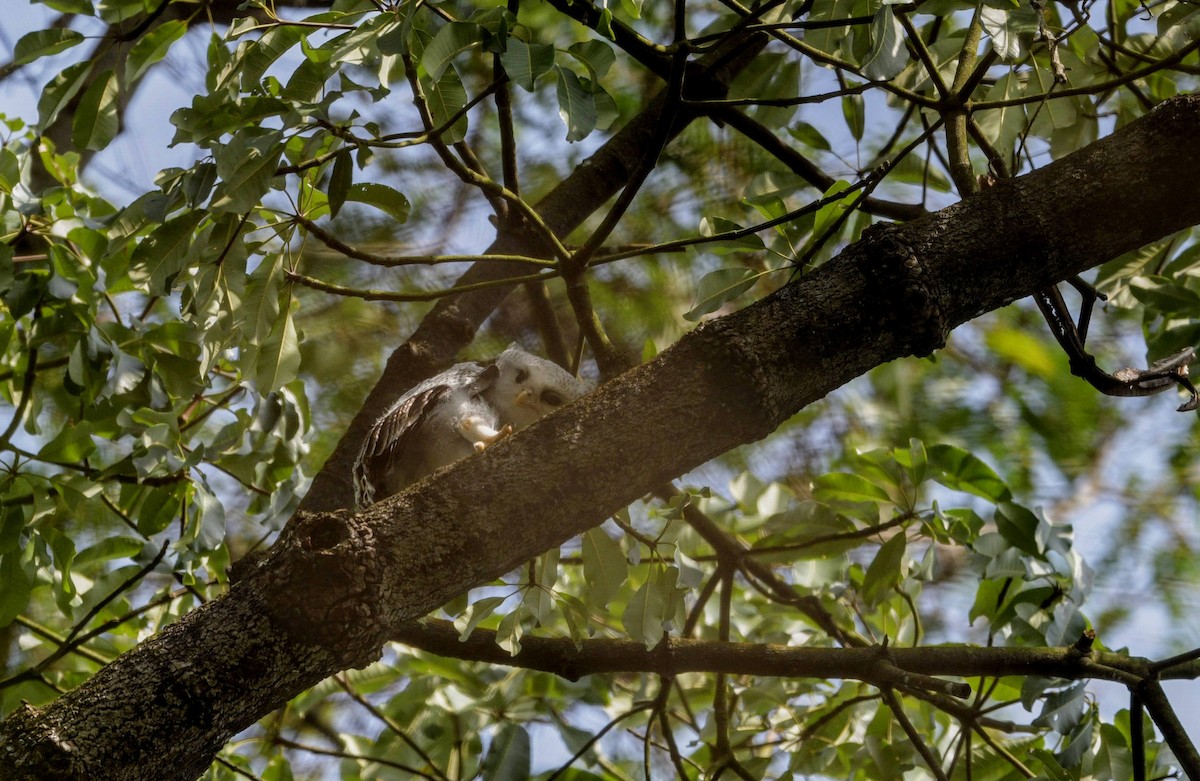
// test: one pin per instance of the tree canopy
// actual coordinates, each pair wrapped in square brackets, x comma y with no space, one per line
[838,507]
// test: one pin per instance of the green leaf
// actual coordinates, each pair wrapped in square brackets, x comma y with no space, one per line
[71,6]
[477,611]
[10,170]
[382,197]
[1021,528]
[15,587]
[1007,27]
[264,293]
[1114,758]
[43,43]
[307,81]
[718,287]
[961,470]
[887,56]
[1003,125]
[845,487]
[596,56]
[604,24]
[12,524]
[450,41]
[828,214]
[7,273]
[508,758]
[806,531]
[117,11]
[918,460]
[1165,296]
[633,8]
[644,614]
[160,257]
[109,548]
[509,633]
[604,566]
[340,179]
[539,597]
[278,359]
[809,136]
[716,226]
[446,98]
[60,90]
[885,570]
[1025,350]
[95,123]
[72,445]
[854,110]
[576,105]
[1078,744]
[210,527]
[151,48]
[157,511]
[262,53]
[525,63]
[247,164]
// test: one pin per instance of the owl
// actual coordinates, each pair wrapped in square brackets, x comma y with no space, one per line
[456,413]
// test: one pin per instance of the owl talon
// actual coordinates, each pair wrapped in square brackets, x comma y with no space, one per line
[479,433]
[482,444]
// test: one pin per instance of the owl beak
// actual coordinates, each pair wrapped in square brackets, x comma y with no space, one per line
[528,398]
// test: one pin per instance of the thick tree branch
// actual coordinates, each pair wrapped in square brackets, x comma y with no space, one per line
[567,658]
[338,585]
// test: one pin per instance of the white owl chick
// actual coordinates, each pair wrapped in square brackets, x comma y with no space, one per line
[458,412]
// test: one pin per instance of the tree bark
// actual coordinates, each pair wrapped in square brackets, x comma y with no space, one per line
[337,585]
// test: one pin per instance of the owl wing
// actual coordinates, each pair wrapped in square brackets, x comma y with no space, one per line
[384,449]
[394,452]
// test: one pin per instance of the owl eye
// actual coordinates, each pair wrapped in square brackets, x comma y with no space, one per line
[522,375]
[551,398]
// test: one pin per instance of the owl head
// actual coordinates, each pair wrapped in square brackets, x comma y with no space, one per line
[528,387]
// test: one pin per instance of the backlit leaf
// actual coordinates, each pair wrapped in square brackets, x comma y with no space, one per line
[152,47]
[382,197]
[95,123]
[888,55]
[525,63]
[43,43]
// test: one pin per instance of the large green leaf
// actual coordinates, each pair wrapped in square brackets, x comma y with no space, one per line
[60,90]
[382,197]
[450,41]
[716,288]
[576,105]
[160,257]
[43,43]
[96,117]
[525,63]
[646,613]
[261,54]
[151,48]
[508,758]
[246,165]
[15,586]
[278,358]
[604,566]
[446,97]
[962,470]
[888,55]
[846,487]
[886,570]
